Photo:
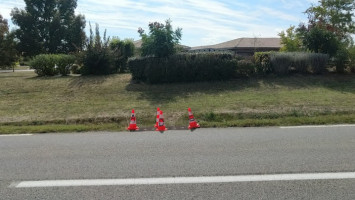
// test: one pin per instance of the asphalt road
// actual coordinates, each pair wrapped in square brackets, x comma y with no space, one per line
[203,153]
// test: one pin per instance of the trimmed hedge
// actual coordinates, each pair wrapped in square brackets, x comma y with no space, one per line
[184,68]
[222,66]
[281,63]
[44,65]
[64,63]
[52,64]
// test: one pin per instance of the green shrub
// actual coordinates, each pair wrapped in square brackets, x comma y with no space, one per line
[97,59]
[318,62]
[341,58]
[44,65]
[301,61]
[121,50]
[281,63]
[262,62]
[64,63]
[245,68]
[352,59]
[183,68]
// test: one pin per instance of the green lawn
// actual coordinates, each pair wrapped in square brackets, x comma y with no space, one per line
[32,104]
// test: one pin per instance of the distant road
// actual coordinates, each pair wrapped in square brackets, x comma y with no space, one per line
[314,162]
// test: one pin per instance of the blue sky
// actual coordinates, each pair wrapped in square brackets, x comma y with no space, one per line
[203,22]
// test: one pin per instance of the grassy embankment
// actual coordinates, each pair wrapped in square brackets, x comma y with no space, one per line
[29,104]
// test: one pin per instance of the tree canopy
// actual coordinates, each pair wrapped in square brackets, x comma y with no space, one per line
[8,52]
[290,40]
[49,26]
[335,16]
[161,40]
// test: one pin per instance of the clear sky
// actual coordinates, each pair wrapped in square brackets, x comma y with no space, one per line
[203,22]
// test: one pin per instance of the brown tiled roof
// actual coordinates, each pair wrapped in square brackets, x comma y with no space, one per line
[245,43]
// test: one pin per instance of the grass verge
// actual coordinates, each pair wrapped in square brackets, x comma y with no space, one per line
[29,104]
[206,122]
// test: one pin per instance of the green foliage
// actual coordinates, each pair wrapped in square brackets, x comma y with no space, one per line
[352,58]
[52,64]
[302,62]
[122,50]
[290,40]
[183,68]
[281,63]
[44,64]
[341,59]
[49,26]
[245,68]
[262,62]
[319,40]
[318,62]
[64,63]
[98,59]
[335,16]
[161,40]
[8,53]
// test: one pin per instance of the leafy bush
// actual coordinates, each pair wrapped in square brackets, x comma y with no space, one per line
[318,62]
[183,68]
[98,59]
[301,61]
[64,63]
[262,62]
[245,68]
[44,65]
[121,50]
[341,58]
[281,63]
[52,64]
[352,58]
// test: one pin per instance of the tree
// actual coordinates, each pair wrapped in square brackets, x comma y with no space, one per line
[161,40]
[335,16]
[290,40]
[49,26]
[121,50]
[8,54]
[319,40]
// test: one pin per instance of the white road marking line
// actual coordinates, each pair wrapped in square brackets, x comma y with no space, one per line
[15,135]
[319,126]
[183,180]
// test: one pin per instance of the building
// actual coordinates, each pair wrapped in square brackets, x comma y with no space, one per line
[243,46]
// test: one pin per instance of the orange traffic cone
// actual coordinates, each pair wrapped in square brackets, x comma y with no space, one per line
[133,124]
[157,119]
[193,124]
[161,126]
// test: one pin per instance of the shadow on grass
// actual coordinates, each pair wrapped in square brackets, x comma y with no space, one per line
[337,82]
[80,81]
[169,92]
